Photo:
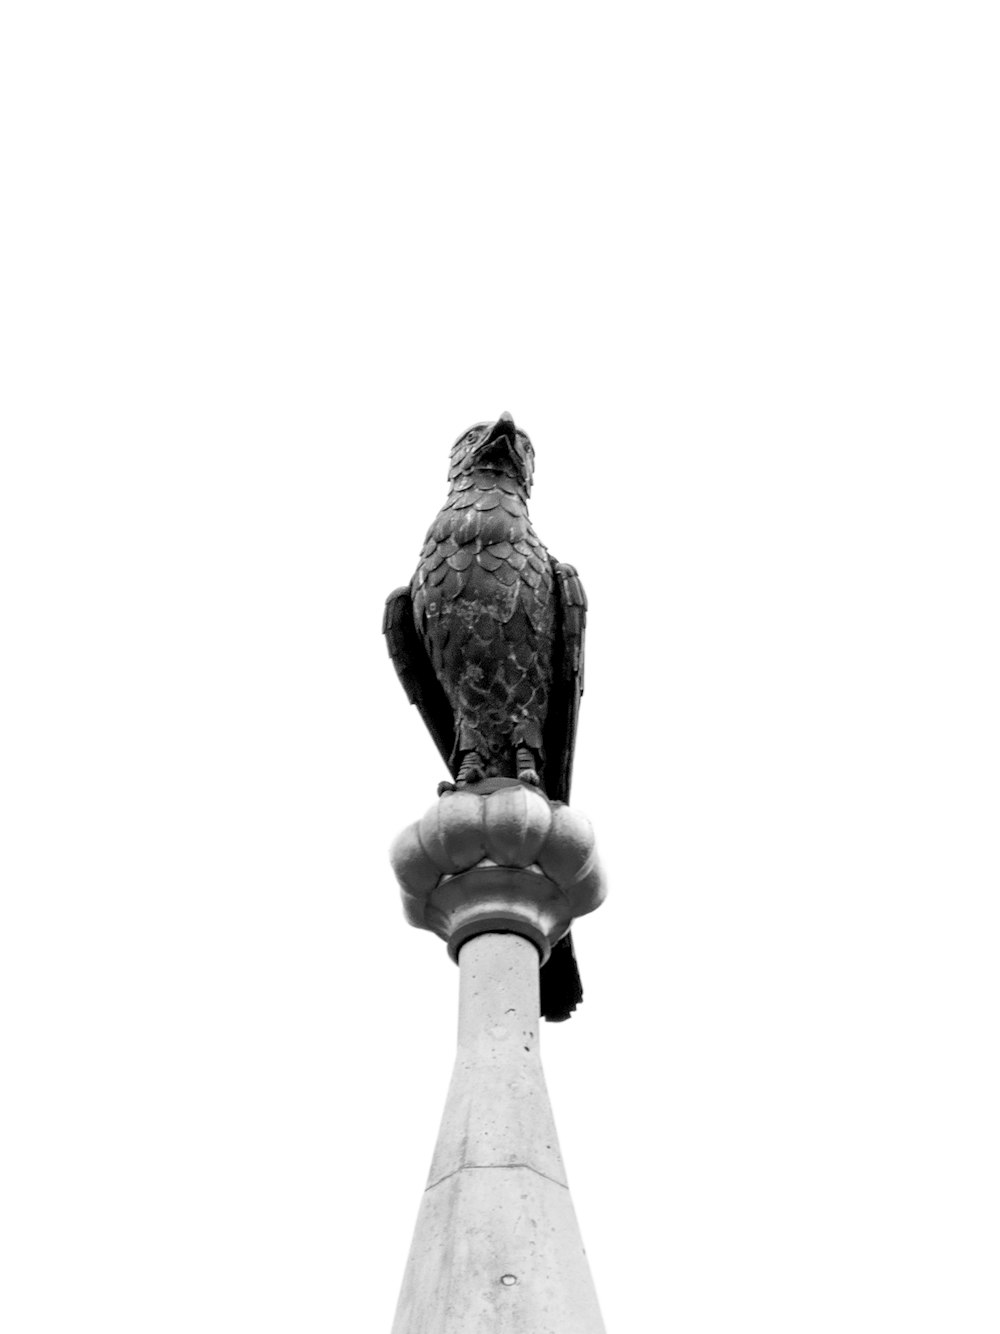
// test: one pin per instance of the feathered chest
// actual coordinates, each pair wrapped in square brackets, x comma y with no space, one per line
[482,558]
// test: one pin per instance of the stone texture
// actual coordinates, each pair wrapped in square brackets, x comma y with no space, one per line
[498,857]
[497,1249]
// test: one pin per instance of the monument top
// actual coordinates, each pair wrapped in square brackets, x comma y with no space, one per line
[487,639]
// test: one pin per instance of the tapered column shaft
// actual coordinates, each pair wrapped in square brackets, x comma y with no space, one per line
[497,1249]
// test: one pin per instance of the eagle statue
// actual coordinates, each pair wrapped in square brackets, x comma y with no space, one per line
[487,640]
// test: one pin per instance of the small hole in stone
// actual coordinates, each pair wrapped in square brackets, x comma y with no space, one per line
[508,1280]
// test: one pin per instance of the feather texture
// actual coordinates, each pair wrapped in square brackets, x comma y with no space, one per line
[487,639]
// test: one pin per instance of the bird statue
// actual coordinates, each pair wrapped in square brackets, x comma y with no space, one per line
[487,640]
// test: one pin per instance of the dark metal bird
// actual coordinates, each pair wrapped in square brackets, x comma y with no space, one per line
[487,640]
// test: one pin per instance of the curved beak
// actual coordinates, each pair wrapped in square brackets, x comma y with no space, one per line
[503,426]
[500,440]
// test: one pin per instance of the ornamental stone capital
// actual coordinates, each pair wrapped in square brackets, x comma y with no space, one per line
[498,856]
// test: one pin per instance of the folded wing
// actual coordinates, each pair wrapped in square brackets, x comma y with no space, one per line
[567,682]
[413,667]
[561,989]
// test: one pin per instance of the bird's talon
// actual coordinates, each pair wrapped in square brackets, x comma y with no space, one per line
[472,770]
[446,786]
[529,776]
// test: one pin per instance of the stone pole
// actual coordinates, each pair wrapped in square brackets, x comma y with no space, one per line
[499,872]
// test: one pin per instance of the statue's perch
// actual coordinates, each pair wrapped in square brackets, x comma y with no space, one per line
[499,873]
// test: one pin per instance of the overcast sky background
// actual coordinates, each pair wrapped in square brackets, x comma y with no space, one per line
[734,268]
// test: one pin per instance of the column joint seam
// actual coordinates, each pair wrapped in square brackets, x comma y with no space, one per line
[486,1167]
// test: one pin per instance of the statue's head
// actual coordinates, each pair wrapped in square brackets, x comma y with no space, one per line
[494,447]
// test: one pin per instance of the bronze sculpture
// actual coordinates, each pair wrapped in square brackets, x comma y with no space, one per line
[487,640]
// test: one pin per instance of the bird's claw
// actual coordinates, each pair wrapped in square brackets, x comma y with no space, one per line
[446,786]
[472,770]
[529,776]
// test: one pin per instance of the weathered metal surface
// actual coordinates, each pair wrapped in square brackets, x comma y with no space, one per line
[487,639]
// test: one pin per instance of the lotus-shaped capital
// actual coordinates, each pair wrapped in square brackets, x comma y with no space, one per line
[498,856]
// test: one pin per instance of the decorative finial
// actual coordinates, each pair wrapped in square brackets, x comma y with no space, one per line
[487,639]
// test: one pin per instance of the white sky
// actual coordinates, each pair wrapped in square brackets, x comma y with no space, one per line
[735,270]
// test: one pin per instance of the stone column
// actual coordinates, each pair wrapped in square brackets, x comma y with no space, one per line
[497,1249]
